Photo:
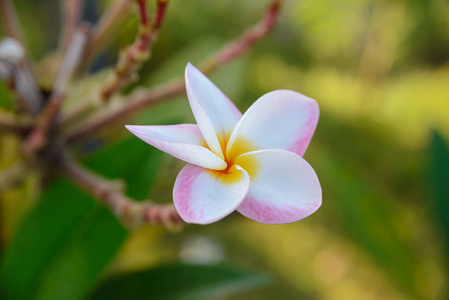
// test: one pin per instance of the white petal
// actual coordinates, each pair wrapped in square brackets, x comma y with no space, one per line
[182,141]
[215,114]
[204,196]
[278,120]
[284,187]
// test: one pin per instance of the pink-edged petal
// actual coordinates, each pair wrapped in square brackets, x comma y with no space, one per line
[181,141]
[215,114]
[284,187]
[281,119]
[204,196]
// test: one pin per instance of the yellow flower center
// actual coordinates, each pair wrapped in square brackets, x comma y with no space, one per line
[231,174]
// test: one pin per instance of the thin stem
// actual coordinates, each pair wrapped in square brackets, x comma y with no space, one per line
[110,193]
[26,83]
[27,87]
[144,97]
[72,57]
[132,58]
[9,74]
[13,60]
[10,20]
[38,136]
[130,61]
[140,99]
[246,40]
[12,174]
[111,20]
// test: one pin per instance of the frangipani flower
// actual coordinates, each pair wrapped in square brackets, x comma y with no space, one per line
[251,163]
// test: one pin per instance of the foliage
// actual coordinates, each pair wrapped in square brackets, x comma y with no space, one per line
[190,282]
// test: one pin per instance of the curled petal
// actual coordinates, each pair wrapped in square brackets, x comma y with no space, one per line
[284,187]
[181,141]
[204,196]
[278,120]
[215,114]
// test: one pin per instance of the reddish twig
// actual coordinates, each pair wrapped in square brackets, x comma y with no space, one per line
[132,57]
[110,194]
[130,60]
[139,100]
[145,97]
[38,136]
[246,40]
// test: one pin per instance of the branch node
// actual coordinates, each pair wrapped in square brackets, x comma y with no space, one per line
[38,137]
[110,193]
[145,97]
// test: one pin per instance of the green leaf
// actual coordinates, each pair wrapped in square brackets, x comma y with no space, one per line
[180,282]
[60,247]
[439,176]
[64,244]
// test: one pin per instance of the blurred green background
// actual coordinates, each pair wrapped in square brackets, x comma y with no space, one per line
[380,73]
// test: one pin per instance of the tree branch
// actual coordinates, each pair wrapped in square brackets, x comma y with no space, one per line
[132,58]
[8,75]
[140,99]
[16,70]
[246,40]
[37,138]
[144,97]
[110,194]
[71,11]
[130,61]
